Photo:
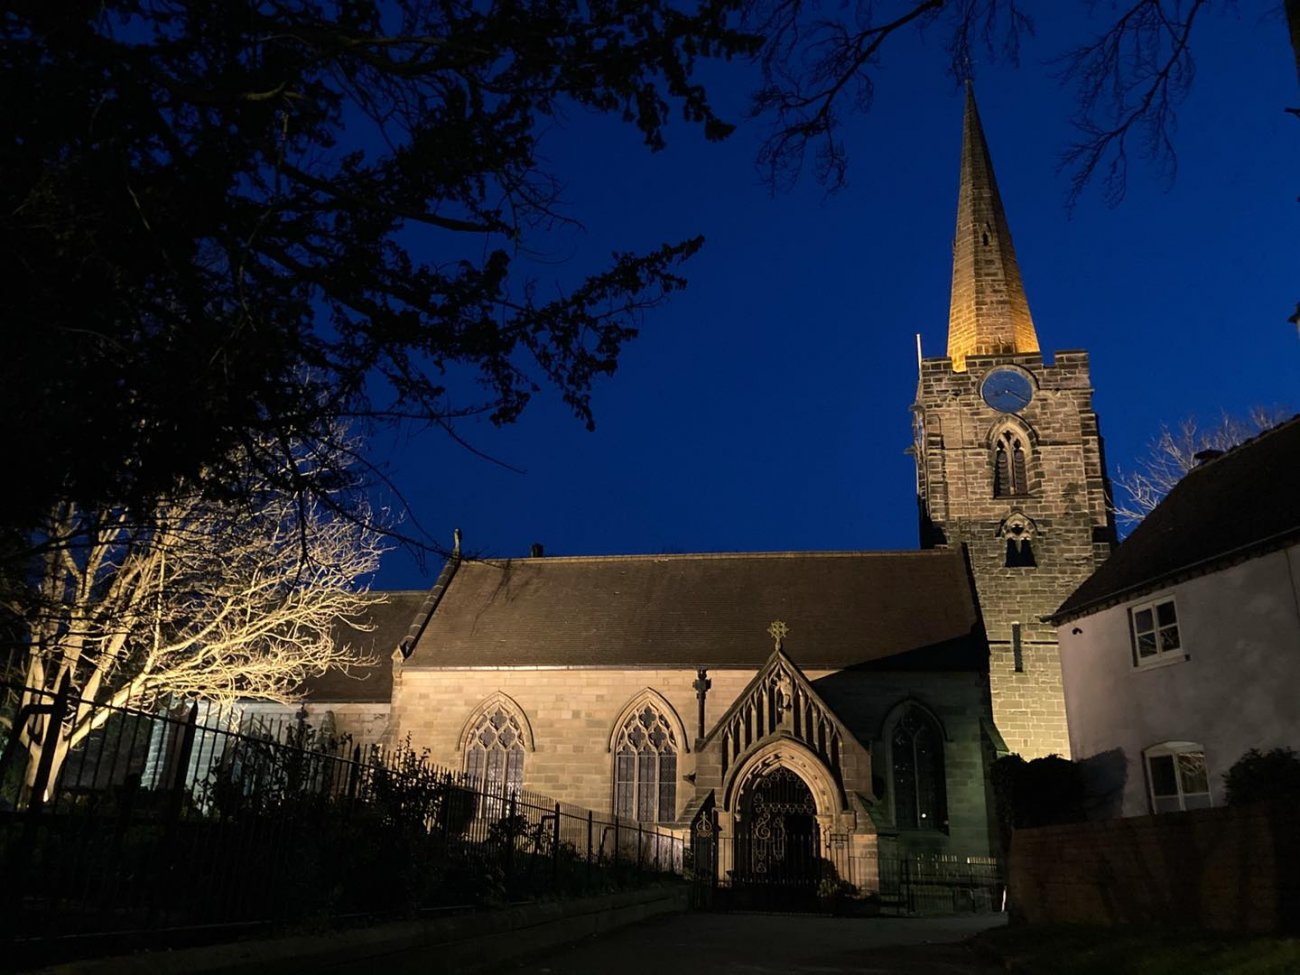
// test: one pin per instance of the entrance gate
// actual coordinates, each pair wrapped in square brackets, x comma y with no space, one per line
[774,859]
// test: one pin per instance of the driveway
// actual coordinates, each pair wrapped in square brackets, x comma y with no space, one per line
[758,944]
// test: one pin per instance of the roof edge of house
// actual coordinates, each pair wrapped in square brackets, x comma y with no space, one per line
[1182,573]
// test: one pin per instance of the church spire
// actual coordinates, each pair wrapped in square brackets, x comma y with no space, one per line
[989,313]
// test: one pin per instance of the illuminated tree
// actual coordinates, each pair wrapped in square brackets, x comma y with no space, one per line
[206,599]
[1174,452]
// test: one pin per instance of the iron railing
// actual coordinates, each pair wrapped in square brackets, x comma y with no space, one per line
[164,824]
[938,883]
[730,873]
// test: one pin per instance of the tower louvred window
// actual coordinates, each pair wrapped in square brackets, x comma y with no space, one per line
[1010,466]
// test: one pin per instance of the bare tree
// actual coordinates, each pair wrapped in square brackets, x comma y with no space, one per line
[206,600]
[819,64]
[1175,451]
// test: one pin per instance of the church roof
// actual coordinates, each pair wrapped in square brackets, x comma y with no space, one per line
[384,625]
[843,609]
[1234,506]
[988,313]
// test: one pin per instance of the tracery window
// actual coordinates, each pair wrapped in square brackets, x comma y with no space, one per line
[494,756]
[916,752]
[1019,532]
[1010,466]
[645,767]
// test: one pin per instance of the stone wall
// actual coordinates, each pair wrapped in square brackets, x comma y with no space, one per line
[365,724]
[572,716]
[867,701]
[1228,869]
[1064,514]
[1029,703]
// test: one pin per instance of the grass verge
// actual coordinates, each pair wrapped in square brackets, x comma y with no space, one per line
[1080,950]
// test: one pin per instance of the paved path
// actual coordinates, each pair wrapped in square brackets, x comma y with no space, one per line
[767,944]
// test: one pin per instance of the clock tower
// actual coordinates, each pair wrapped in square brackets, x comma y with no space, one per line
[1009,461]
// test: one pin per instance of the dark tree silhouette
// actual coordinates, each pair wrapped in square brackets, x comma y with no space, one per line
[1130,78]
[1270,776]
[229,223]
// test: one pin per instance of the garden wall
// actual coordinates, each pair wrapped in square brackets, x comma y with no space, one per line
[1230,869]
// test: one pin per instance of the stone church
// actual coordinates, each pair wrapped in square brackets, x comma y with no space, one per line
[859,695]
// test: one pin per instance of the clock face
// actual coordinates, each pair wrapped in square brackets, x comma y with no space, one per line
[1007,390]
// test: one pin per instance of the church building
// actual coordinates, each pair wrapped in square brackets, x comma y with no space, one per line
[804,700]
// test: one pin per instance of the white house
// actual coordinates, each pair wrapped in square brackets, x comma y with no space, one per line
[1182,651]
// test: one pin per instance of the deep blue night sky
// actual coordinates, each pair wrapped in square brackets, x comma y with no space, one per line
[766,407]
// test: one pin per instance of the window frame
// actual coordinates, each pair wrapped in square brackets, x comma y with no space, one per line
[1174,750]
[497,782]
[1011,463]
[937,767]
[1160,656]
[646,775]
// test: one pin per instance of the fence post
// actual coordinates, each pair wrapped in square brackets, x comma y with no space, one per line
[616,842]
[509,832]
[177,784]
[11,749]
[907,885]
[715,849]
[353,771]
[555,846]
[640,848]
[49,744]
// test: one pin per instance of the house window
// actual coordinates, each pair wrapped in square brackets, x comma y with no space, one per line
[494,758]
[1178,776]
[645,768]
[1155,631]
[1010,475]
[916,752]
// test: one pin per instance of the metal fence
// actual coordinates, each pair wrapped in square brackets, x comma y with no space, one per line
[164,824]
[938,883]
[732,872]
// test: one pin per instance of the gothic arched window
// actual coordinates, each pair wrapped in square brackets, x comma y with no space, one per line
[916,753]
[1019,532]
[1010,473]
[645,767]
[494,754]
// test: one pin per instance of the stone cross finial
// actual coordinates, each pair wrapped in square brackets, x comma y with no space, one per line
[777,631]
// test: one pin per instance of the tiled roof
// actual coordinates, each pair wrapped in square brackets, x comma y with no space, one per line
[843,609]
[371,683]
[1245,499]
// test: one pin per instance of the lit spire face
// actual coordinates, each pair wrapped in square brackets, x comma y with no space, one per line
[989,314]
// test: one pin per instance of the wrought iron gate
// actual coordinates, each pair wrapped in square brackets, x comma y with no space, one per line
[774,860]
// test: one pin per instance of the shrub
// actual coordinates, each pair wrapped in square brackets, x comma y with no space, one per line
[1044,792]
[1261,776]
